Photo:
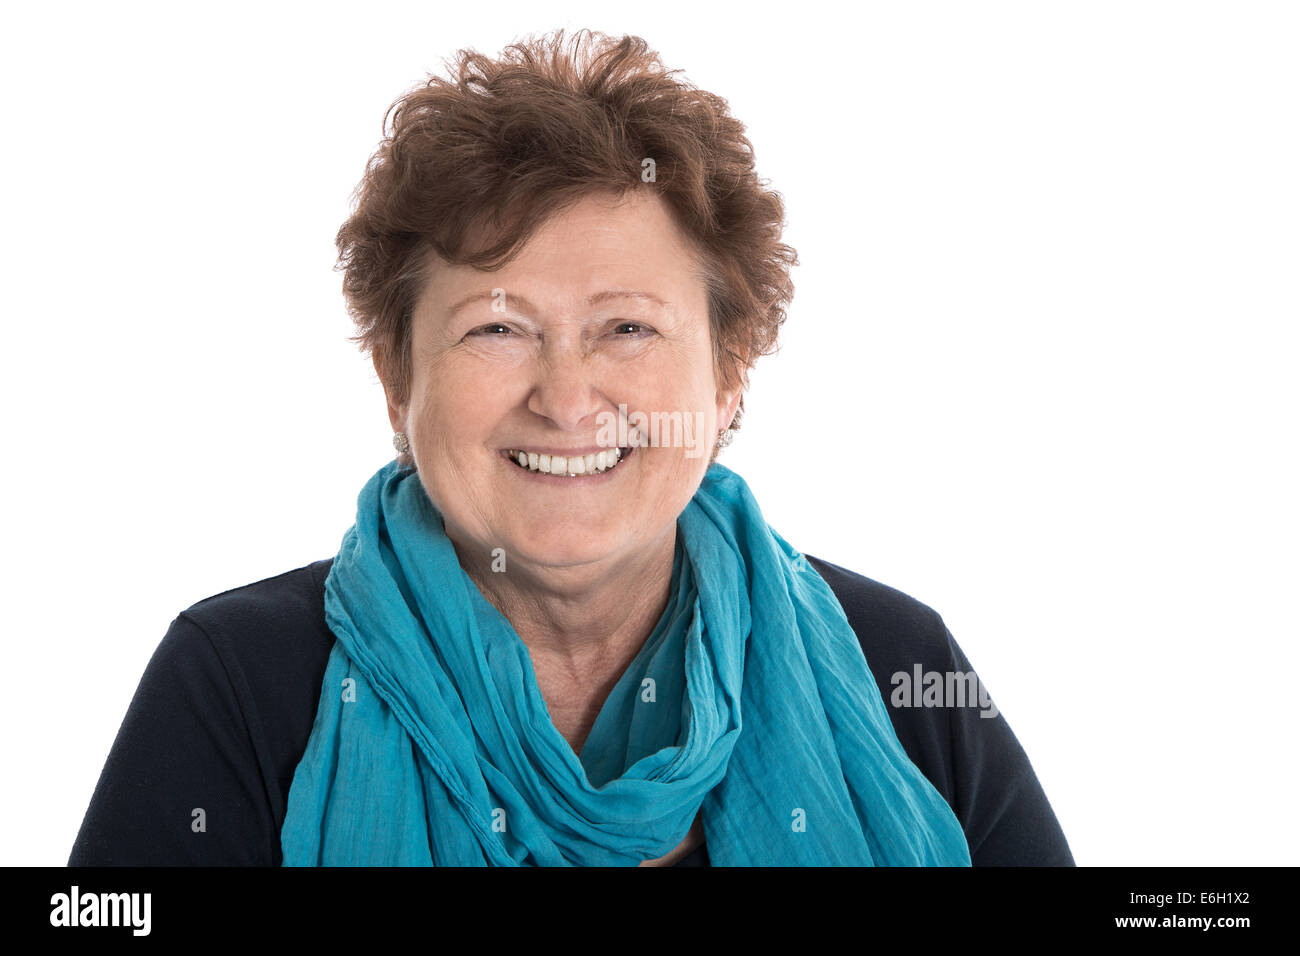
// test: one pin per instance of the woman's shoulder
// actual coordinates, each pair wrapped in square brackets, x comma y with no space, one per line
[271,633]
[282,598]
[275,643]
[898,635]
[892,626]
[214,731]
[963,746]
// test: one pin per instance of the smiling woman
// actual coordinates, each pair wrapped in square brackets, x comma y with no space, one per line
[530,370]
[559,632]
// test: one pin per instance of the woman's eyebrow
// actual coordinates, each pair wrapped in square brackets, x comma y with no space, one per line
[626,294]
[519,302]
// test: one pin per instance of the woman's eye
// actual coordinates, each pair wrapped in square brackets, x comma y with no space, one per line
[629,329]
[496,328]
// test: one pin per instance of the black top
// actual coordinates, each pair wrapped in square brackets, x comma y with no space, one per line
[226,706]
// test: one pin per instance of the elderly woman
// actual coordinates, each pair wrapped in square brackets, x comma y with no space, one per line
[559,633]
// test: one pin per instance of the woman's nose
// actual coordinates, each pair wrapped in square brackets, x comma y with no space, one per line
[565,391]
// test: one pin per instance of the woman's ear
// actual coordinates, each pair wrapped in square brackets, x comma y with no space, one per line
[396,412]
[729,400]
[728,406]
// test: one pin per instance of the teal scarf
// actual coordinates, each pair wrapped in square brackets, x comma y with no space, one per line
[750,700]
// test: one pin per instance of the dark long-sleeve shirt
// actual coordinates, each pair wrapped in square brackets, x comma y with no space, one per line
[201,768]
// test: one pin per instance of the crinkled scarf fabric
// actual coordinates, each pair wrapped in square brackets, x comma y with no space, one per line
[751,701]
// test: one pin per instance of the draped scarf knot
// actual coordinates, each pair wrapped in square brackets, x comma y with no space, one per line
[751,703]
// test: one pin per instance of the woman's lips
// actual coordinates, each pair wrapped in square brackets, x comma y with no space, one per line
[589,465]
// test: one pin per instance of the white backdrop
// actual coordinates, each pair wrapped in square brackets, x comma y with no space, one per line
[1039,372]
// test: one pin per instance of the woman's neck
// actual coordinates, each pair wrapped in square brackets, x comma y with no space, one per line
[580,622]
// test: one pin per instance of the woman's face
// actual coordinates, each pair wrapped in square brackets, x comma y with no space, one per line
[596,335]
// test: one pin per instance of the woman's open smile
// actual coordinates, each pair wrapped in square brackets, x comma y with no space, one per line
[573,464]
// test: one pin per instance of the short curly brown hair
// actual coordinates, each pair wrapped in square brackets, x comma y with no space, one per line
[509,142]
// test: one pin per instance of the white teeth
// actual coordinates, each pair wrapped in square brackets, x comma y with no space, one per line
[593,464]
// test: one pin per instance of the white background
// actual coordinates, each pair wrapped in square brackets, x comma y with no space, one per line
[1039,372]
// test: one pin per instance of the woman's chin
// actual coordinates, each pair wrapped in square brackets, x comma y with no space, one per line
[560,545]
